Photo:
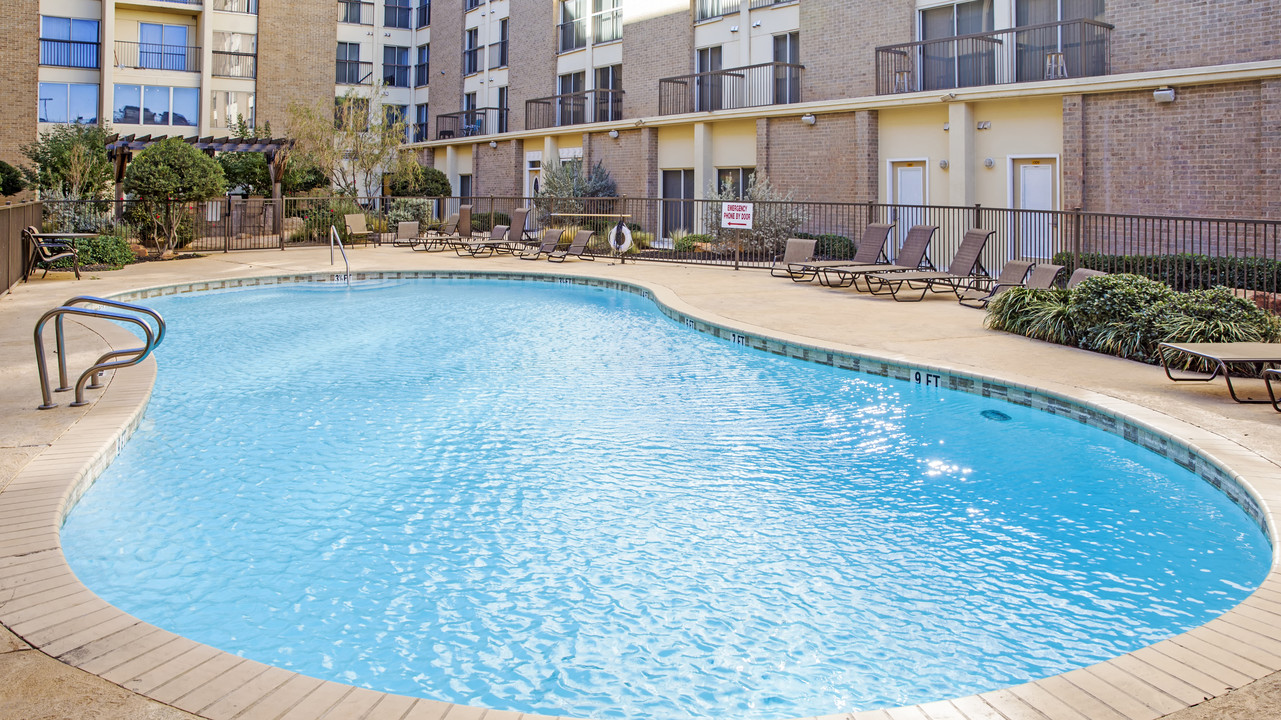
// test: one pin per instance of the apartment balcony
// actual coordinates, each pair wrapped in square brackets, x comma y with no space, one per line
[470,123]
[732,88]
[353,72]
[234,64]
[574,109]
[355,13]
[1051,51]
[154,56]
[69,53]
[240,6]
[708,9]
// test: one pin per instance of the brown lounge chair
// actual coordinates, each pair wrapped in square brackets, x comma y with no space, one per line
[914,255]
[797,251]
[1043,277]
[495,243]
[48,251]
[1080,274]
[406,234]
[1011,276]
[577,248]
[871,251]
[357,231]
[551,238]
[1221,356]
[966,271]
[440,238]
[1268,376]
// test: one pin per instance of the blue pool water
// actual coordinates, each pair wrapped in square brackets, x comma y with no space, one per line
[553,499]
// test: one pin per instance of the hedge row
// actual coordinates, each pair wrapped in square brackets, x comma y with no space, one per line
[1185,271]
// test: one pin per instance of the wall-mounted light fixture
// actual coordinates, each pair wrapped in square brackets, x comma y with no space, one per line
[613,134]
[947,126]
[943,164]
[984,125]
[809,118]
[756,24]
[493,144]
[989,163]
[1163,95]
[733,28]
[947,97]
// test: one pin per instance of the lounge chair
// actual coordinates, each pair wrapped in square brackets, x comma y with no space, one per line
[914,255]
[796,251]
[1080,274]
[1221,356]
[1011,276]
[871,251]
[966,271]
[495,243]
[1268,376]
[464,222]
[440,238]
[357,230]
[516,234]
[48,251]
[1043,276]
[406,234]
[551,238]
[577,248]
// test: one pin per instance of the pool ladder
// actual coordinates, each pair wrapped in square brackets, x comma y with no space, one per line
[113,360]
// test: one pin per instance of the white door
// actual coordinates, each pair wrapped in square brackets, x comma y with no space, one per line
[908,194]
[1037,229]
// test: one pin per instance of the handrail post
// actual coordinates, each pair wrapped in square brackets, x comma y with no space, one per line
[1076,237]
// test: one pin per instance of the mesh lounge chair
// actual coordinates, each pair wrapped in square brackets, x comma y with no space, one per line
[406,234]
[1080,274]
[871,251]
[551,238]
[356,229]
[1221,356]
[48,252]
[516,234]
[577,248]
[496,242]
[796,252]
[966,270]
[1012,275]
[464,222]
[914,255]
[440,238]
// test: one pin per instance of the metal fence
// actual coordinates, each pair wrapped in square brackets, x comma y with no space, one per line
[13,254]
[1184,252]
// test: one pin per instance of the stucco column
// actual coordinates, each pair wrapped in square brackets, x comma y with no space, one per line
[451,165]
[960,151]
[704,172]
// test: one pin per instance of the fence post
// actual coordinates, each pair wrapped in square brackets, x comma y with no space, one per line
[871,212]
[1076,238]
[978,215]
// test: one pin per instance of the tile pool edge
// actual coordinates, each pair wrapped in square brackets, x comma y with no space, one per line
[84,631]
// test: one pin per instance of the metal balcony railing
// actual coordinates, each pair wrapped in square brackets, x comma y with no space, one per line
[571,35]
[355,13]
[749,86]
[607,26]
[708,9]
[353,72]
[234,64]
[241,6]
[577,108]
[759,4]
[469,123]
[1050,51]
[69,53]
[155,56]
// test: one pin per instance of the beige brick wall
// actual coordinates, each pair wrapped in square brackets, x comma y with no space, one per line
[834,160]
[839,40]
[629,158]
[497,171]
[446,62]
[1188,33]
[531,56]
[19,53]
[297,42]
[654,48]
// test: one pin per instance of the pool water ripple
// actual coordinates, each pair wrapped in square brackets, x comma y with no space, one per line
[550,499]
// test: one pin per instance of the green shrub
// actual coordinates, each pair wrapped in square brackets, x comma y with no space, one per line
[150,224]
[10,179]
[1214,315]
[410,209]
[1108,313]
[484,222]
[1038,314]
[1184,271]
[110,250]
[835,247]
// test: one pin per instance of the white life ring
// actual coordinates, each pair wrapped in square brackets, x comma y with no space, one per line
[620,238]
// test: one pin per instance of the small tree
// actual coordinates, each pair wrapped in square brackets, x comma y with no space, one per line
[166,175]
[774,220]
[249,169]
[422,182]
[564,187]
[353,142]
[10,179]
[71,160]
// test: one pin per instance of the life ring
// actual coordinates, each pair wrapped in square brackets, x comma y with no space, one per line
[620,238]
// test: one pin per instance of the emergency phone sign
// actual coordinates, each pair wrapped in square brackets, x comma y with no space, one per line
[736,215]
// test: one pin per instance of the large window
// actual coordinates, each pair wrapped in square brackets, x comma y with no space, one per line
[573,25]
[607,20]
[609,105]
[957,64]
[735,180]
[235,54]
[347,69]
[68,42]
[227,107]
[422,69]
[162,47]
[396,66]
[424,14]
[156,105]
[498,50]
[471,52]
[396,13]
[68,103]
[393,114]
[573,109]
[420,123]
[787,80]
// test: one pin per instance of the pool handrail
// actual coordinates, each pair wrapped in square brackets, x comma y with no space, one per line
[334,237]
[152,338]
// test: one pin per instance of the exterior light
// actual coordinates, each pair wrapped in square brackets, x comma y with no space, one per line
[613,134]
[809,119]
[1163,95]
[493,144]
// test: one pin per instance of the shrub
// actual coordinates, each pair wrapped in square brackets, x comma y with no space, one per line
[1214,315]
[484,222]
[828,245]
[72,159]
[10,179]
[167,171]
[110,250]
[689,242]
[1108,312]
[410,209]
[1184,271]
[1038,314]
[423,182]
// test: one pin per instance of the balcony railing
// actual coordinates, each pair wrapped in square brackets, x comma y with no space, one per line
[69,53]
[234,64]
[607,26]
[759,4]
[241,6]
[155,56]
[498,55]
[353,72]
[420,132]
[571,35]
[469,123]
[355,13]
[1051,51]
[708,9]
[742,87]
[574,109]
[471,61]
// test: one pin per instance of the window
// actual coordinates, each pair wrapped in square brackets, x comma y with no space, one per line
[68,42]
[709,90]
[573,25]
[734,179]
[420,123]
[471,52]
[609,98]
[235,55]
[68,103]
[422,70]
[1081,54]
[225,108]
[396,115]
[244,6]
[353,112]
[607,20]
[156,105]
[348,69]
[424,14]
[678,205]
[498,50]
[162,47]
[396,66]
[473,4]
[949,64]
[396,13]
[572,110]
[469,101]
[464,186]
[353,13]
[787,80]
[502,109]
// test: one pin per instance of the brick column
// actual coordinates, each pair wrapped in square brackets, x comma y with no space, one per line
[1072,170]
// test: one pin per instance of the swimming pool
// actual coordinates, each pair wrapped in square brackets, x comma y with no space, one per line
[671,527]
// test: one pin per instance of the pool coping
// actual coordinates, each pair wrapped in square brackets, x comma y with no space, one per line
[45,604]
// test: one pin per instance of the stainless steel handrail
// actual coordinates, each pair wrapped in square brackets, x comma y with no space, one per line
[334,237]
[109,360]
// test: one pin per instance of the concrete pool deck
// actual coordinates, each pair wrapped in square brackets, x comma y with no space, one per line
[91,660]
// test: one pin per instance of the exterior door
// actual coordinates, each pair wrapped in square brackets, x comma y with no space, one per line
[1036,194]
[709,87]
[907,195]
[678,206]
[533,169]
[787,80]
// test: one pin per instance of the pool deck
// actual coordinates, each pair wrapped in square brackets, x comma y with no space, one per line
[66,653]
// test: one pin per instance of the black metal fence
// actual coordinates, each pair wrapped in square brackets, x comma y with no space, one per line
[773,83]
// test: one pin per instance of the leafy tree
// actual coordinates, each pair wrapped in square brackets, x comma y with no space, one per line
[353,142]
[167,175]
[10,179]
[71,160]
[775,218]
[249,169]
[422,182]
[564,188]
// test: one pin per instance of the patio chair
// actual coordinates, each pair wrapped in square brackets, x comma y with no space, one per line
[48,251]
[551,239]
[1221,356]
[356,229]
[1043,276]
[914,255]
[966,271]
[577,248]
[871,251]
[440,238]
[1080,274]
[1011,276]
[796,252]
[464,221]
[496,242]
[1268,376]
[406,234]
[516,234]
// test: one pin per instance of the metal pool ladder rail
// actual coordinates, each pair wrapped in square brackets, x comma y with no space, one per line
[334,237]
[113,360]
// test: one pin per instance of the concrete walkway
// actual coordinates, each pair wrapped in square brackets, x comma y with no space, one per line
[935,332]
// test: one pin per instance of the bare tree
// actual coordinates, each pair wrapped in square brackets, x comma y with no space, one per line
[356,141]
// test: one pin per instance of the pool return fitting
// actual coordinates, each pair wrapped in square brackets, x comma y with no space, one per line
[113,360]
